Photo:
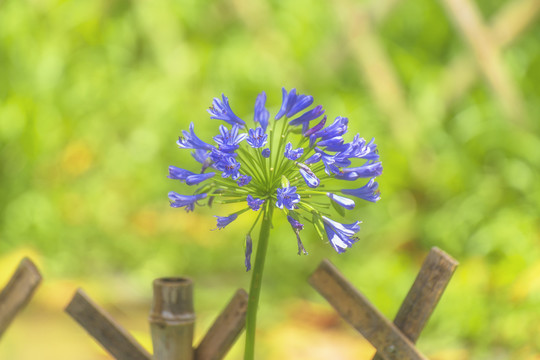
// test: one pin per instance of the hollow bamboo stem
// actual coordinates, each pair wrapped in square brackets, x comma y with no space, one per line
[172,319]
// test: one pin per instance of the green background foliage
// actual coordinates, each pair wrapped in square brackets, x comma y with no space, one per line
[94,94]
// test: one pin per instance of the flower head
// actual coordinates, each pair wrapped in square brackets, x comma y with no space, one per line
[285,164]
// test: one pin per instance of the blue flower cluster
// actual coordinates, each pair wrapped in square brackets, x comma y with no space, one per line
[287,165]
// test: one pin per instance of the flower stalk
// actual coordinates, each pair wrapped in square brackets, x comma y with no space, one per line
[256,282]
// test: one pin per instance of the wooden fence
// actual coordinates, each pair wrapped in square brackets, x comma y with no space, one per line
[480,59]
[18,292]
[392,340]
[172,317]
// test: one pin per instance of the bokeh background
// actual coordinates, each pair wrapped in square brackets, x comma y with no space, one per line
[93,95]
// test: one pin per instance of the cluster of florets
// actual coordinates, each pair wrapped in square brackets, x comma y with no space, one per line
[262,167]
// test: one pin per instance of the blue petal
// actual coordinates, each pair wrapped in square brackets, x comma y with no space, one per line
[308,116]
[341,236]
[249,247]
[367,192]
[221,110]
[342,201]
[254,203]
[369,169]
[319,126]
[187,201]
[223,221]
[190,141]
[295,223]
[261,115]
[198,178]
[309,177]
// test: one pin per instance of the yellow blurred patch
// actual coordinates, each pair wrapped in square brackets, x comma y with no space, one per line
[450,354]
[10,261]
[527,283]
[144,222]
[143,338]
[76,158]
[315,331]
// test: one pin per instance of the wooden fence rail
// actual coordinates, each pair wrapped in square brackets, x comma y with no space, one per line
[392,340]
[172,317]
[171,322]
[18,292]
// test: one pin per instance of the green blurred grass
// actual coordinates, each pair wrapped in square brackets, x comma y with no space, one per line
[94,94]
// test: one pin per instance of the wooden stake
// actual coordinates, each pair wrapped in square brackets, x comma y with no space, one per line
[468,20]
[225,330]
[360,313]
[172,319]
[435,274]
[100,325]
[18,292]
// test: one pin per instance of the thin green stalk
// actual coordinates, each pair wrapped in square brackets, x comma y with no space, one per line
[256,281]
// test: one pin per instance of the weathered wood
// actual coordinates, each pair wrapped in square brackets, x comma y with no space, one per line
[513,19]
[468,21]
[427,289]
[100,325]
[172,319]
[378,71]
[18,292]
[361,314]
[225,330]
[506,26]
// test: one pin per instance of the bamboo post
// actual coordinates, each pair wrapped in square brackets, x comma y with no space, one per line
[172,319]
[100,325]
[18,292]
[506,26]
[468,20]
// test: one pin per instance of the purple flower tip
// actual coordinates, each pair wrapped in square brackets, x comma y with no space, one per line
[223,221]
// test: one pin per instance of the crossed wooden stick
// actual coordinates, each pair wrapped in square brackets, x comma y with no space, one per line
[172,318]
[392,341]
[18,292]
[171,325]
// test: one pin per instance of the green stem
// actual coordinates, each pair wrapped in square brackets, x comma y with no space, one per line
[256,281]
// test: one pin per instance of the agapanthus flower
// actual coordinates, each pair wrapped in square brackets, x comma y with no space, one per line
[187,201]
[297,226]
[257,138]
[291,163]
[249,247]
[221,110]
[287,197]
[223,221]
[293,154]
[253,203]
